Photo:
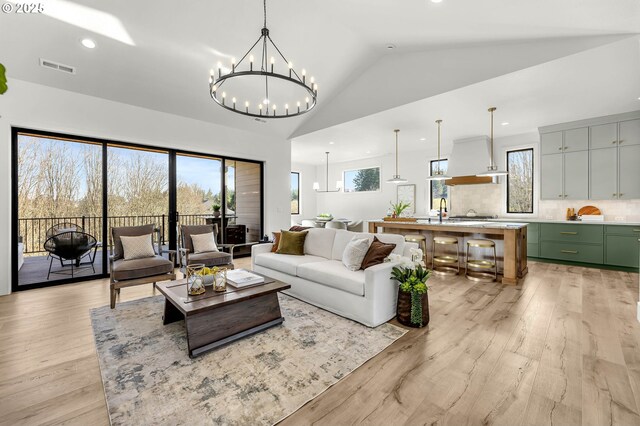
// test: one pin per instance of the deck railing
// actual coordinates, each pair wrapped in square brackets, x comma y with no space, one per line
[33,230]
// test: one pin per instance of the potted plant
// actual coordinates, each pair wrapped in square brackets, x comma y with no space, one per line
[216,209]
[413,300]
[398,208]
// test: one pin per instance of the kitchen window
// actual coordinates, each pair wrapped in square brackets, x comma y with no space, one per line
[438,188]
[520,181]
[362,180]
[295,193]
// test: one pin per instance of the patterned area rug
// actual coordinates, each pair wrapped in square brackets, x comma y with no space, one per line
[149,378]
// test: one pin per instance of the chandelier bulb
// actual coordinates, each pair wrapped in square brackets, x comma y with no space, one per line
[290,65]
[246,104]
[224,94]
[210,79]
[304,72]
[312,80]
[265,101]
[233,61]
[234,100]
[315,87]
[214,88]
[298,103]
[274,107]
[273,60]
[251,58]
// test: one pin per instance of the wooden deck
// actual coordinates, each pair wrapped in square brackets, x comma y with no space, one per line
[35,268]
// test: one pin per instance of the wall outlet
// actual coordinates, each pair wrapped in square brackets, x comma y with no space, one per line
[549,217]
[619,219]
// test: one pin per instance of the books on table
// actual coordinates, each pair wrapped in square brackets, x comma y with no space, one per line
[243,278]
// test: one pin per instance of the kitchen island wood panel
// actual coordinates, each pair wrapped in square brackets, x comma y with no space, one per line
[514,238]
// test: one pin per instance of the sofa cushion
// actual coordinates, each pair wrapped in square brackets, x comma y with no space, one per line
[319,242]
[285,263]
[131,231]
[212,258]
[137,247]
[354,253]
[140,268]
[343,237]
[332,273]
[396,239]
[292,243]
[378,252]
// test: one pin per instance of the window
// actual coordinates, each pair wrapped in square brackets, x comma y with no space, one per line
[520,181]
[362,180]
[295,193]
[438,188]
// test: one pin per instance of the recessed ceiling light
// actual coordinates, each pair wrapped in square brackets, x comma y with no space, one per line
[88,43]
[639,99]
[436,1]
[331,143]
[505,123]
[368,152]
[391,46]
[423,139]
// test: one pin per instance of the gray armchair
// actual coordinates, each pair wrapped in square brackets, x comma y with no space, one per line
[127,273]
[209,259]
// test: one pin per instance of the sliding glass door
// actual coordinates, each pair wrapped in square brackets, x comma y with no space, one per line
[69,192]
[59,209]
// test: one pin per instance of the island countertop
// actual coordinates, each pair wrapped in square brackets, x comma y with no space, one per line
[513,235]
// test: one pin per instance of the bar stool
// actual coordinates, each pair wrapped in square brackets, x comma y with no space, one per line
[421,240]
[479,267]
[445,261]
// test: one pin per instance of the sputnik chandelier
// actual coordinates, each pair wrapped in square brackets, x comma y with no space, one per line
[268,69]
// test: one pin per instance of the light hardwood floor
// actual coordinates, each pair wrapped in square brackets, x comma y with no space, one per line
[562,348]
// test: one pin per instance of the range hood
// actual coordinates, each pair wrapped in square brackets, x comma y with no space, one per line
[468,157]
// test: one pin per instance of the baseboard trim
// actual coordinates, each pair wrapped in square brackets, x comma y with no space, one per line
[638,314]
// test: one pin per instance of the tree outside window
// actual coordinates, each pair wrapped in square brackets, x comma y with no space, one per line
[438,188]
[520,181]
[362,180]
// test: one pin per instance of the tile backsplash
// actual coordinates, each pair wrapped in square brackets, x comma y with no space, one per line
[613,210]
[489,199]
[484,199]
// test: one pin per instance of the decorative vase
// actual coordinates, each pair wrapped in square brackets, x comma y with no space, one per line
[216,214]
[403,311]
[220,280]
[207,279]
[195,282]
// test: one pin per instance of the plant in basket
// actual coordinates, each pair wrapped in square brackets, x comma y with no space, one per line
[413,301]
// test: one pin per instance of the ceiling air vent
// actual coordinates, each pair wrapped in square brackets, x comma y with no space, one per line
[57,66]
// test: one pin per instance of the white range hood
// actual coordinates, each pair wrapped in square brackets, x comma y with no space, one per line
[468,157]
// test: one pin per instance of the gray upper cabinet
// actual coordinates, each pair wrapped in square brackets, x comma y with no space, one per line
[551,177]
[629,132]
[551,143]
[603,136]
[595,159]
[576,175]
[629,172]
[603,176]
[576,140]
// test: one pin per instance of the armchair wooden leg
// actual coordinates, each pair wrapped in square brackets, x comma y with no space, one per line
[113,296]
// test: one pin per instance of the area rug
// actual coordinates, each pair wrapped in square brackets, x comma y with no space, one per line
[149,379]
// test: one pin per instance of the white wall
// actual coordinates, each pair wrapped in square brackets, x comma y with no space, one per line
[308,207]
[43,108]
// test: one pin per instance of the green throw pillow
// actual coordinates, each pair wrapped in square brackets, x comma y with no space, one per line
[292,243]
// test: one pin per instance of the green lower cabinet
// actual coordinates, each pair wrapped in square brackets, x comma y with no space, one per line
[533,250]
[533,239]
[622,251]
[572,252]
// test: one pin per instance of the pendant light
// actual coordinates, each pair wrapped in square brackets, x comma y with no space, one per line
[438,174]
[492,170]
[396,178]
[339,183]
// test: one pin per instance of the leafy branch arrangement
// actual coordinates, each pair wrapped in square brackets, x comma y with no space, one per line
[399,207]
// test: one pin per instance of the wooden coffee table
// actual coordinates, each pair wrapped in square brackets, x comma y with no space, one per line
[214,318]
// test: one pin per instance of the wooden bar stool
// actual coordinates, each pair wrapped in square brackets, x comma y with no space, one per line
[443,264]
[421,240]
[477,269]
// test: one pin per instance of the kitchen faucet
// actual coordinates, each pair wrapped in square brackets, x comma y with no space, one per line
[445,207]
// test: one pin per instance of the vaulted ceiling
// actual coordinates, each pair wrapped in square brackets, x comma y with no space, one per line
[157,54]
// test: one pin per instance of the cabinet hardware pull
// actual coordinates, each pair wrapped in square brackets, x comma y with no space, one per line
[615,194]
[569,233]
[620,141]
[565,195]
[560,149]
[560,195]
[569,251]
[614,142]
[565,148]
[620,194]
[636,230]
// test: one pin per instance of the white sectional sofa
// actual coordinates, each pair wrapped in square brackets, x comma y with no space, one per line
[320,278]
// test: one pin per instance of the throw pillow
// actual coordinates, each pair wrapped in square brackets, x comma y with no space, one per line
[354,253]
[138,247]
[204,243]
[377,253]
[276,241]
[292,243]
[298,228]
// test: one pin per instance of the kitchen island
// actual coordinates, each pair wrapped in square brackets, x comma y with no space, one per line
[510,238]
